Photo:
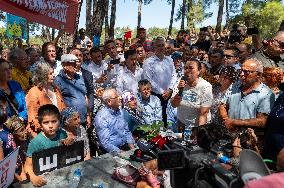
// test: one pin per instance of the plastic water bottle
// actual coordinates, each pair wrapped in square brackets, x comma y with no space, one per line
[187,133]
[76,178]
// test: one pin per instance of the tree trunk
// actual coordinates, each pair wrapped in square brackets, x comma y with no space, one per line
[172,18]
[189,14]
[227,13]
[139,14]
[52,34]
[98,17]
[183,14]
[106,20]
[112,19]
[88,16]
[219,16]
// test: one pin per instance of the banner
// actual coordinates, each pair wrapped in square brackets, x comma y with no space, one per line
[57,157]
[7,169]
[16,26]
[52,13]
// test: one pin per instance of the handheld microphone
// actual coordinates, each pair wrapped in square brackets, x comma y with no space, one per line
[180,90]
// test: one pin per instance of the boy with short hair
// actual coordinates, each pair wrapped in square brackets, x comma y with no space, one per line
[50,136]
[150,104]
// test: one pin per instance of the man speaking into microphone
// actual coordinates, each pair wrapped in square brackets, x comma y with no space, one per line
[193,98]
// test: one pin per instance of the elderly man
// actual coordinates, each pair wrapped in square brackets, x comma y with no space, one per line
[112,129]
[20,73]
[250,101]
[72,86]
[131,75]
[270,54]
[160,71]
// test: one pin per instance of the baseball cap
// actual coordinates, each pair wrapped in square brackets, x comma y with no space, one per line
[69,58]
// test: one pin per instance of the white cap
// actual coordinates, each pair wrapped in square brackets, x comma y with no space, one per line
[69,58]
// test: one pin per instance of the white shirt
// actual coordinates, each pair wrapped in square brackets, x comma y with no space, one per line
[192,100]
[96,70]
[160,73]
[112,75]
[127,81]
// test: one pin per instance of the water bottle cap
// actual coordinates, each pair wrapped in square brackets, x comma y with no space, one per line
[77,172]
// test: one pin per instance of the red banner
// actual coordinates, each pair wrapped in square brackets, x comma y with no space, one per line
[52,13]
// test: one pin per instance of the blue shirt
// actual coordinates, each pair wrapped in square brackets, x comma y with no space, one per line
[112,129]
[19,94]
[260,100]
[151,109]
[73,92]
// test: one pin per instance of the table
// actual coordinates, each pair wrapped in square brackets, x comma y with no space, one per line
[94,171]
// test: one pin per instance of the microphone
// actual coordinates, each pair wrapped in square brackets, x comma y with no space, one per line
[180,90]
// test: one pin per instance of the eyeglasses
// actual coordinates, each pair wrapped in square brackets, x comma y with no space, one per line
[86,54]
[247,72]
[228,56]
[51,51]
[118,51]
[116,97]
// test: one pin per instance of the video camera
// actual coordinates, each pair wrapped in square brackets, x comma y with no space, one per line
[202,164]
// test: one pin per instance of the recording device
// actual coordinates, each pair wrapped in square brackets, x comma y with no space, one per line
[252,31]
[171,159]
[114,61]
[180,90]
[146,147]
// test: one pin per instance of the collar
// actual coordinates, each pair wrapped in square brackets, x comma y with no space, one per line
[76,75]
[156,58]
[113,112]
[142,100]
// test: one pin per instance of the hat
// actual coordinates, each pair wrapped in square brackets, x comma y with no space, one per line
[69,58]
[127,97]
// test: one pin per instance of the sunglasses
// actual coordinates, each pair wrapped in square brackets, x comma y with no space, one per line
[246,72]
[228,56]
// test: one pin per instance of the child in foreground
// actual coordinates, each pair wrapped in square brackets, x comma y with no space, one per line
[50,136]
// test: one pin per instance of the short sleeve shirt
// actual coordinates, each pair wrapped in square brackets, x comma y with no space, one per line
[41,142]
[260,100]
[193,99]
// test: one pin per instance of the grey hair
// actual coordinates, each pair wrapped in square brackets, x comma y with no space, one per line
[107,94]
[14,54]
[41,73]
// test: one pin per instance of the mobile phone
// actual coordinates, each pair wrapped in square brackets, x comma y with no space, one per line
[105,72]
[115,61]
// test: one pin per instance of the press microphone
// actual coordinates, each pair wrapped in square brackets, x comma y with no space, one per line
[180,90]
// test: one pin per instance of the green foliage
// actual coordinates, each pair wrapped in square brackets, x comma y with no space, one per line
[198,13]
[267,16]
[151,131]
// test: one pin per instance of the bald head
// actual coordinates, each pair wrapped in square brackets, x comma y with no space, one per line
[253,64]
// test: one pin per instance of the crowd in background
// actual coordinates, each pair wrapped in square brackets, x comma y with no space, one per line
[102,95]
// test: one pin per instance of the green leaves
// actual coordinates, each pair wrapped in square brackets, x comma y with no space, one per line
[151,130]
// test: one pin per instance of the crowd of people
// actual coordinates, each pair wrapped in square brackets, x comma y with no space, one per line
[102,95]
